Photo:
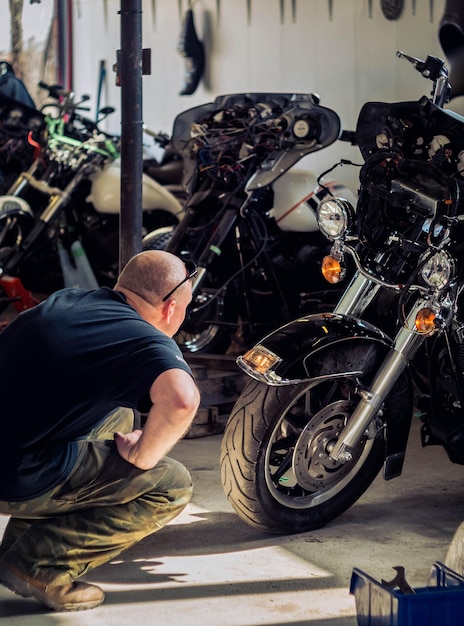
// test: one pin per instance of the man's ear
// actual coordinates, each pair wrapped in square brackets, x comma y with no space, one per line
[168,310]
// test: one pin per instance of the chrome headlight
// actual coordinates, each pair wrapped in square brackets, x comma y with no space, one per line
[333,217]
[438,270]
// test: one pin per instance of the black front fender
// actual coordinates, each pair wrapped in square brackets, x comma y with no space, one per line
[325,344]
[310,346]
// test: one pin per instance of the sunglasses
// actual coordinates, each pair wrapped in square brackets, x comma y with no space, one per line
[192,269]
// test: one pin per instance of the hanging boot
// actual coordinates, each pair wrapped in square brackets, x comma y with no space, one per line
[192,49]
[451,36]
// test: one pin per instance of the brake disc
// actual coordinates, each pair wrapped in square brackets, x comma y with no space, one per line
[313,467]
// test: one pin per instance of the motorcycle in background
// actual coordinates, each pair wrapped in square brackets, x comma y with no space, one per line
[250,218]
[332,395]
[70,195]
[21,131]
[163,192]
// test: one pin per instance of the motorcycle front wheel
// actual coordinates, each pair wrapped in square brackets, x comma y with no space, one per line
[276,468]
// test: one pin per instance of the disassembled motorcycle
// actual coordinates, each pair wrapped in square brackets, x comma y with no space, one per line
[250,219]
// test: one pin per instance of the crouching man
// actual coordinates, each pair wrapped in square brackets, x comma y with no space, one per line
[79,482]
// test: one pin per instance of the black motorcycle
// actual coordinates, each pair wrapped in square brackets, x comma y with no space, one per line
[250,218]
[333,394]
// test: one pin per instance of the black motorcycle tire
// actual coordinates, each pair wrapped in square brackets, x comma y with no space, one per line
[271,424]
[212,317]
[209,330]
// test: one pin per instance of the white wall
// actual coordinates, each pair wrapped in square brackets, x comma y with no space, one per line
[347,60]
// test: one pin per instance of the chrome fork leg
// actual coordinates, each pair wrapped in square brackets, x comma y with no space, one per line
[406,344]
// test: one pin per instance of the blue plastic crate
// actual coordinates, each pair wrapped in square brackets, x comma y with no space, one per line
[441,603]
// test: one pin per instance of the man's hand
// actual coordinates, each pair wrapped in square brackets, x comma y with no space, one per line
[125,442]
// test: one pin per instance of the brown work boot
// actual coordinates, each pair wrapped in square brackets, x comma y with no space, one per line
[76,596]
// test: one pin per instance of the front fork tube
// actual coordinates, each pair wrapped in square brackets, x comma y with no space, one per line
[360,293]
[57,201]
[23,180]
[213,247]
[361,290]
[406,344]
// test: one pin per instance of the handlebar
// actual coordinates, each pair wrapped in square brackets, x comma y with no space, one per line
[65,99]
[66,106]
[433,68]
[54,91]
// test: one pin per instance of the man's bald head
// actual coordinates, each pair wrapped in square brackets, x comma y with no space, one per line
[152,274]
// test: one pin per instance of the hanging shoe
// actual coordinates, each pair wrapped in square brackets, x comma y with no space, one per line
[192,49]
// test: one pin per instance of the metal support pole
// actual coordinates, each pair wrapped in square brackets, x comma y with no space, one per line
[130,72]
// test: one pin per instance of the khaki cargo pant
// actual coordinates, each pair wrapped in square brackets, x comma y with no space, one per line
[104,506]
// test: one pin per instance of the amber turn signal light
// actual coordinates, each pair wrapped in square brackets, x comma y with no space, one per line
[425,321]
[260,359]
[332,270]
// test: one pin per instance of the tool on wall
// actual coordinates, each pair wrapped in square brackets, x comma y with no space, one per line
[153,12]
[192,49]
[282,11]
[101,84]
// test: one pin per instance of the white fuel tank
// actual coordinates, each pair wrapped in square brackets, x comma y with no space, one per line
[105,192]
[296,197]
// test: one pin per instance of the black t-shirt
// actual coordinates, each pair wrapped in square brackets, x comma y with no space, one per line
[65,365]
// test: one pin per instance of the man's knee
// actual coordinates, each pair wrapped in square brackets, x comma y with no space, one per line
[169,493]
[175,475]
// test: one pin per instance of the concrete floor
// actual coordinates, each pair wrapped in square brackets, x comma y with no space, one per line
[208,568]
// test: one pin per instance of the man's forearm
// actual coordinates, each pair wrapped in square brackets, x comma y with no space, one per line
[160,434]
